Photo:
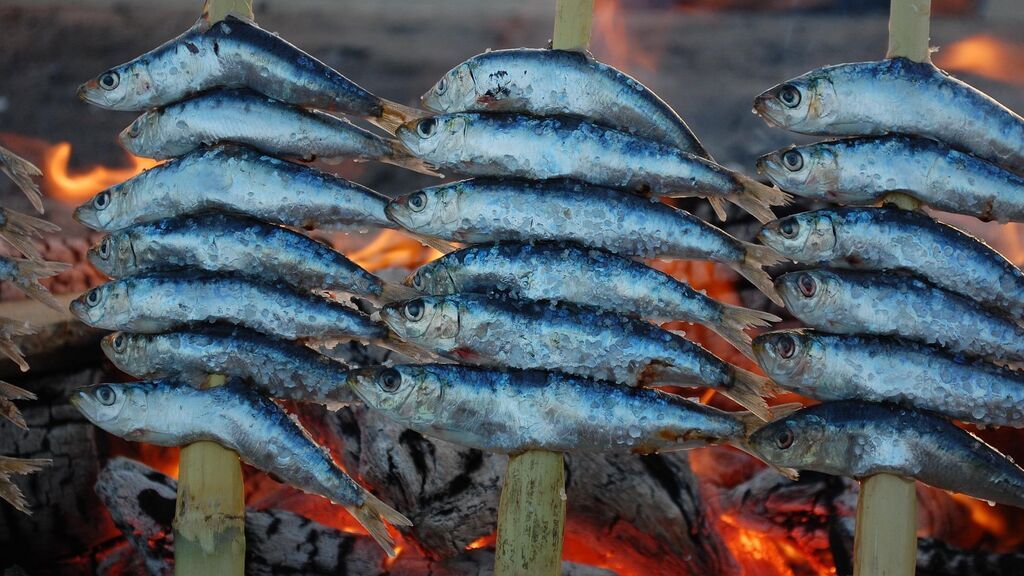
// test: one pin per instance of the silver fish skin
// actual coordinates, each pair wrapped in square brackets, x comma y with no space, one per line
[477,144]
[886,304]
[25,275]
[585,342]
[173,413]
[598,278]
[862,171]
[861,439]
[278,368]
[492,210]
[867,98]
[560,82]
[245,117]
[158,302]
[236,180]
[511,411]
[225,243]
[893,239]
[235,53]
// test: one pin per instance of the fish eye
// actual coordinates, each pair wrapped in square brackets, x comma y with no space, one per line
[425,127]
[789,228]
[413,310]
[784,439]
[442,85]
[119,343]
[101,201]
[789,96]
[105,394]
[390,380]
[93,298]
[418,201]
[793,160]
[104,249]
[109,80]
[807,285]
[786,346]
[417,281]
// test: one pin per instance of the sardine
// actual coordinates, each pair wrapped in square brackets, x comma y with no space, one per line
[22,172]
[25,275]
[245,117]
[869,98]
[894,239]
[490,210]
[8,330]
[564,147]
[511,411]
[560,82]
[278,368]
[9,491]
[19,229]
[172,413]
[861,171]
[584,276]
[586,342]
[887,304]
[235,53]
[225,243]
[861,439]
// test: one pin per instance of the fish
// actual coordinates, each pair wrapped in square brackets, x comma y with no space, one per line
[885,239]
[581,341]
[8,410]
[868,99]
[596,278]
[8,347]
[19,229]
[9,491]
[556,83]
[22,172]
[228,243]
[277,368]
[511,411]
[174,413]
[25,275]
[877,368]
[888,304]
[860,439]
[245,117]
[862,171]
[490,210]
[236,53]
[519,146]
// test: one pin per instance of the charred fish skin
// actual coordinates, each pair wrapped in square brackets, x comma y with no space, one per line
[172,413]
[225,243]
[493,210]
[866,98]
[863,170]
[237,180]
[894,239]
[886,304]
[519,146]
[158,302]
[511,411]
[875,368]
[860,439]
[276,367]
[550,82]
[599,279]
[231,53]
[582,341]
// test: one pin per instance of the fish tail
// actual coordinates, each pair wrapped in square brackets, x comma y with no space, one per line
[390,292]
[757,198]
[29,273]
[398,155]
[9,491]
[718,205]
[15,392]
[9,411]
[734,322]
[22,171]
[372,515]
[750,390]
[393,115]
[10,349]
[21,228]
[755,258]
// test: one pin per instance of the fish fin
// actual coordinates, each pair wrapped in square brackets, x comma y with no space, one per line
[401,157]
[9,491]
[757,198]
[10,349]
[736,319]
[718,205]
[393,115]
[390,292]
[749,390]
[755,258]
[22,171]
[29,273]
[436,243]
[20,230]
[372,515]
[407,349]
[15,392]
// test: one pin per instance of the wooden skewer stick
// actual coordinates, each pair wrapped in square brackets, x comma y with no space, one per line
[885,542]
[209,520]
[531,513]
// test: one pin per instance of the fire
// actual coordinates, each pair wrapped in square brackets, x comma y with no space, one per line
[986,56]
[611,39]
[75,188]
[393,249]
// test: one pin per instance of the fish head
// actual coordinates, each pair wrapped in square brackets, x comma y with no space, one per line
[125,87]
[813,170]
[804,104]
[104,306]
[432,321]
[143,136]
[407,393]
[805,237]
[120,409]
[433,278]
[435,137]
[788,355]
[810,293]
[454,92]
[124,350]
[797,440]
[427,210]
[102,212]
[114,255]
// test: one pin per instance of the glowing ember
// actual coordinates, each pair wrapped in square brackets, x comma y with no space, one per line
[75,188]
[986,56]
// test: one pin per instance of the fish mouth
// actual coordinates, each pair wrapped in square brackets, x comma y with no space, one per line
[395,210]
[767,164]
[766,106]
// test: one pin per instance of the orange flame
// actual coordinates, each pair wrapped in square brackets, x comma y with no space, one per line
[986,56]
[393,249]
[60,183]
[611,39]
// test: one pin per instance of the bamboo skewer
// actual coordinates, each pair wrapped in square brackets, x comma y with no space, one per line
[885,542]
[531,513]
